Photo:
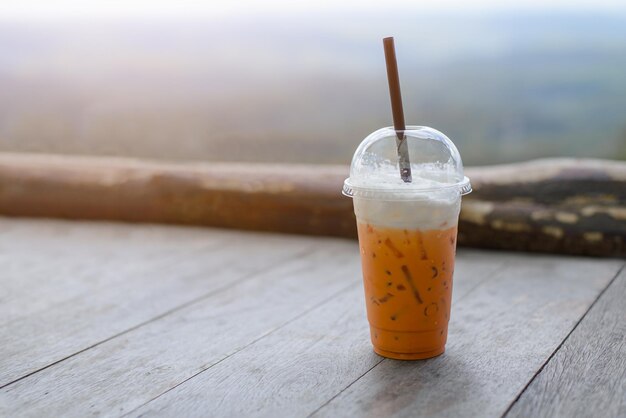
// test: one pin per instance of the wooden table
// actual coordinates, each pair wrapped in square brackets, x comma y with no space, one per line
[115,319]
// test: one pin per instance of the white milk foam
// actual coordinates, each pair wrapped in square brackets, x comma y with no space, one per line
[408,206]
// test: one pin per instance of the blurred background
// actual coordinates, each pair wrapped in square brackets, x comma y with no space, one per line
[304,82]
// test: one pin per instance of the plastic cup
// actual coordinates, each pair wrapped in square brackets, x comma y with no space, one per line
[407,238]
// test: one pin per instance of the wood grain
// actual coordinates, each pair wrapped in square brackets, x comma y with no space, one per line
[300,367]
[85,285]
[47,263]
[587,376]
[499,337]
[282,335]
[132,369]
[573,206]
[304,362]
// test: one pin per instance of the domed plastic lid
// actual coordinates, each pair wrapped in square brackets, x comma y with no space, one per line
[435,166]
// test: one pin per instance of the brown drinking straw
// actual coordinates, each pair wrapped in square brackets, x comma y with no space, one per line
[396,109]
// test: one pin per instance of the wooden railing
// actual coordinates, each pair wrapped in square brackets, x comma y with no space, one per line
[559,205]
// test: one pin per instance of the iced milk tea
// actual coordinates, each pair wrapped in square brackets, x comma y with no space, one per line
[407,275]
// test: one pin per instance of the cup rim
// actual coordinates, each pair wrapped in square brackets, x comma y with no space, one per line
[350,190]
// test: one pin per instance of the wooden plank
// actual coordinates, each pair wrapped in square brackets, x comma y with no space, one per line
[498,339]
[127,372]
[575,206]
[91,290]
[587,376]
[295,369]
[500,334]
[132,369]
[44,263]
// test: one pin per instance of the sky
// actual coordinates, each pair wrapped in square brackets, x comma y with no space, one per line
[46,9]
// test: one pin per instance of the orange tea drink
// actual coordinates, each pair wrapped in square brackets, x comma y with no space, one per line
[407,230]
[407,256]
[407,275]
